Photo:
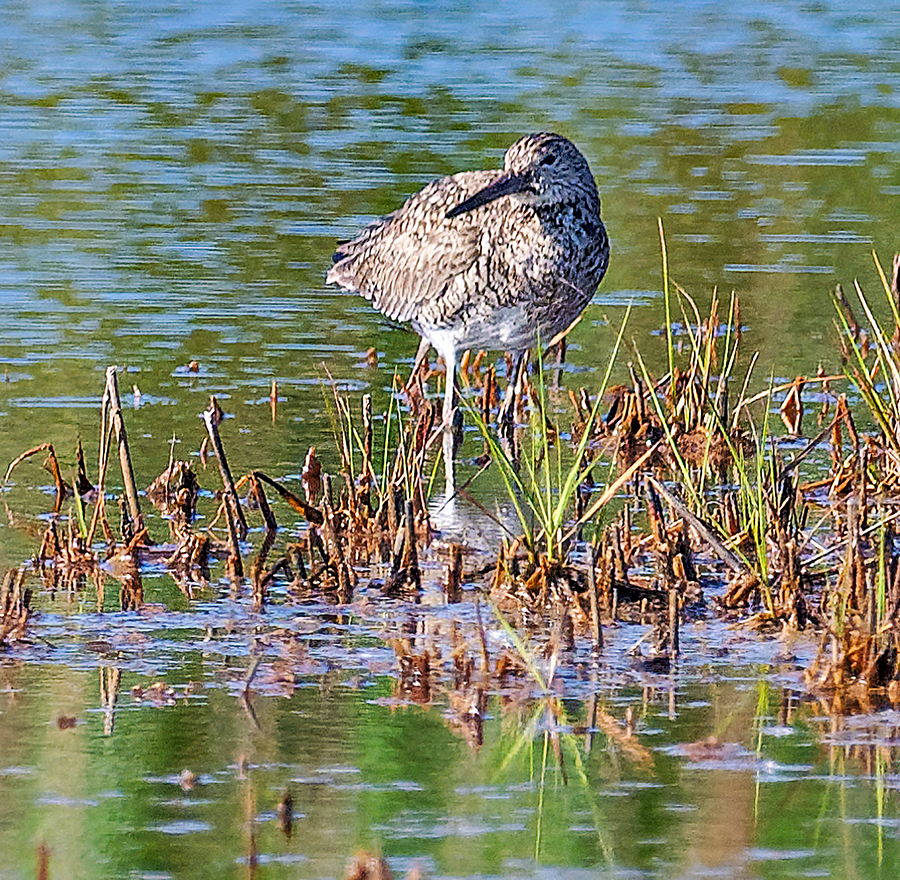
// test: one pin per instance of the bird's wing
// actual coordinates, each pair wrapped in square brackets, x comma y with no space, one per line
[410,257]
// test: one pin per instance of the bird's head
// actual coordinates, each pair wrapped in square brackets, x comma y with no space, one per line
[539,169]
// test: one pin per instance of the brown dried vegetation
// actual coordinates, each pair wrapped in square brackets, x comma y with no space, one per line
[699,513]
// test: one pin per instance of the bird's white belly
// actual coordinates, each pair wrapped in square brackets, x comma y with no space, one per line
[507,328]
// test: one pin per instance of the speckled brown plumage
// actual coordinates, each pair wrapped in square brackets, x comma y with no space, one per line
[487,259]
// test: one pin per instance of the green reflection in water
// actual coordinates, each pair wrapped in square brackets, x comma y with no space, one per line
[398,778]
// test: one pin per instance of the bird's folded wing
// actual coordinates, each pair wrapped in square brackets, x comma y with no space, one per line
[410,257]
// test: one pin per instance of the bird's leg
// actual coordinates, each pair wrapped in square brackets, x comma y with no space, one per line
[451,423]
[506,416]
[449,463]
[451,417]
[449,392]
[560,347]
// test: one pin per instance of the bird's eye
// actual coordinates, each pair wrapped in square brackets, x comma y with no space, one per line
[549,159]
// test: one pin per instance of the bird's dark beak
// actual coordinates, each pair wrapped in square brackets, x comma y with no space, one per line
[505,185]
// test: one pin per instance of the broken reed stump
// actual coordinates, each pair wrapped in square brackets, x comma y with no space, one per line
[594,599]
[332,534]
[113,423]
[285,813]
[368,866]
[405,574]
[234,513]
[674,617]
[662,550]
[15,606]
[212,418]
[51,464]
[860,650]
[453,583]
[258,572]
[174,493]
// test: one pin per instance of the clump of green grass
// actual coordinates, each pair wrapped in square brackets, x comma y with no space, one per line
[543,481]
[878,383]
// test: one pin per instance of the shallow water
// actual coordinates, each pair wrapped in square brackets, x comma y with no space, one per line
[779,794]
[173,178]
